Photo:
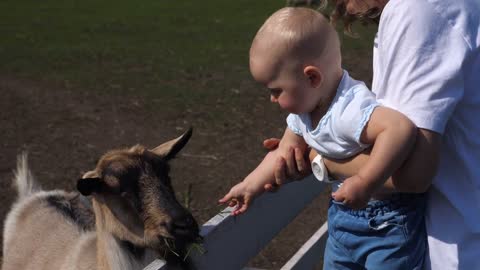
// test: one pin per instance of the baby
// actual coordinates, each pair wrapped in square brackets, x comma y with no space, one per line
[296,55]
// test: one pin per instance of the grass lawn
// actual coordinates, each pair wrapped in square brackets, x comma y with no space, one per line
[152,47]
[158,48]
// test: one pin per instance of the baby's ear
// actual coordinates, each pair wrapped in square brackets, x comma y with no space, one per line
[87,186]
[314,76]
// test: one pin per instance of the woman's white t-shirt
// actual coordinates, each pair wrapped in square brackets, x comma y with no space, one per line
[427,66]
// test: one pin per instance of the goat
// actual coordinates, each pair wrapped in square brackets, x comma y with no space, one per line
[130,217]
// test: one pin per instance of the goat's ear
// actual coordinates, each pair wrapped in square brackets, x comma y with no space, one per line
[169,149]
[87,186]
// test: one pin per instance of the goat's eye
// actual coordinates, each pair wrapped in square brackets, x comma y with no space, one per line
[130,199]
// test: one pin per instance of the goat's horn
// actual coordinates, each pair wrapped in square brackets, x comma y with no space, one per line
[90,174]
[169,149]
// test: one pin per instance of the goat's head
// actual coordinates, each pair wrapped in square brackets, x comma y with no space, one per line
[135,200]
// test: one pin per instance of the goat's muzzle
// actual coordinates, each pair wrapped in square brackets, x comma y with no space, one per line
[184,227]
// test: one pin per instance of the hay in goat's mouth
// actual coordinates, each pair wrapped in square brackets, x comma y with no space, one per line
[195,246]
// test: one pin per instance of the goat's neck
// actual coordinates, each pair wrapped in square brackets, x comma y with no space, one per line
[113,253]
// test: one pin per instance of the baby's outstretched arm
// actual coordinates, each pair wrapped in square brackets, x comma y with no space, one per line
[393,136]
[243,194]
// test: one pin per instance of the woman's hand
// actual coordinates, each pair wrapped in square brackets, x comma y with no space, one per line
[295,165]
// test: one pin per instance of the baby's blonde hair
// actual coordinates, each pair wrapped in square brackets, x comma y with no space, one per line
[301,32]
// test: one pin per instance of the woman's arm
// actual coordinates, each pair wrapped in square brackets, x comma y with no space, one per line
[416,173]
[414,176]
[392,135]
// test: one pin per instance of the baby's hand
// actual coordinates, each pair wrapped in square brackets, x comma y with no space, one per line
[242,196]
[353,193]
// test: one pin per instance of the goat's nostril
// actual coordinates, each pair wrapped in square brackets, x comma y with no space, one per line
[183,223]
[183,220]
[185,227]
[190,221]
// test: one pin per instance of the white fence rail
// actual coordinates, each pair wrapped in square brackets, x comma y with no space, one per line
[230,242]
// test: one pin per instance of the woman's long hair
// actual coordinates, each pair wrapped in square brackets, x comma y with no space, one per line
[339,13]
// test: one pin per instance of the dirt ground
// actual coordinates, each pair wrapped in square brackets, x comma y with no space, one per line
[65,130]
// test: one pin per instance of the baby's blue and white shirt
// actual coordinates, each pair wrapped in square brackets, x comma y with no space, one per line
[338,132]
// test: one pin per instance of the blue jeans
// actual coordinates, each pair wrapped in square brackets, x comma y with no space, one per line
[386,234]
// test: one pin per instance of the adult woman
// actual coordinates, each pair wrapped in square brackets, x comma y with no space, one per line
[427,66]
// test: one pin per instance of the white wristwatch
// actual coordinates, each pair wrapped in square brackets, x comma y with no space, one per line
[320,171]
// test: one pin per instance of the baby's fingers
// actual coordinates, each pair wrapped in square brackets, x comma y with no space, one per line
[338,195]
[226,198]
[232,203]
[242,207]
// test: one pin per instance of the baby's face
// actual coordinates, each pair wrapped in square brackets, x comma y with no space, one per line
[287,84]
[292,93]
